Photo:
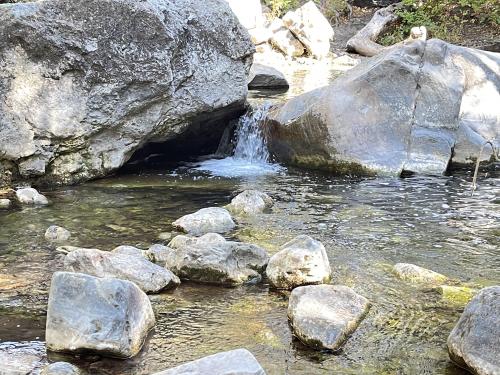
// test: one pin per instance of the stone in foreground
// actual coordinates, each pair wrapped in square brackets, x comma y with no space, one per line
[151,278]
[250,202]
[309,25]
[206,220]
[474,343]
[212,259]
[31,196]
[300,261]
[108,316]
[416,274]
[266,77]
[323,316]
[20,358]
[56,233]
[234,362]
[61,368]
[4,203]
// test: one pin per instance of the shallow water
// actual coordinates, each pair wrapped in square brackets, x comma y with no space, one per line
[366,225]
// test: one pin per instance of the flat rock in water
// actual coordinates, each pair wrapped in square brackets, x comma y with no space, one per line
[416,274]
[21,358]
[266,77]
[300,261]
[31,196]
[323,316]
[311,27]
[212,259]
[474,343]
[150,277]
[108,316]
[250,202]
[56,233]
[206,220]
[61,368]
[234,362]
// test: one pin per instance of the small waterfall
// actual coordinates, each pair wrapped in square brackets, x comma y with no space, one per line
[250,156]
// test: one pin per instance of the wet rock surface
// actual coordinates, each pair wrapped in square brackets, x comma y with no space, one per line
[323,316]
[300,261]
[474,343]
[94,81]
[56,234]
[31,196]
[250,202]
[151,278]
[206,220]
[212,259]
[108,316]
[21,358]
[234,362]
[414,108]
[416,274]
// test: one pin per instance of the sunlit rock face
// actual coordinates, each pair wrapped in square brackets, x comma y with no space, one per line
[413,108]
[84,84]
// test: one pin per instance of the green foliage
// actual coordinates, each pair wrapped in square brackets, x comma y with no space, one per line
[444,19]
[280,7]
[332,9]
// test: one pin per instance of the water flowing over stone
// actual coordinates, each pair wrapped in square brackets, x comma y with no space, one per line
[86,83]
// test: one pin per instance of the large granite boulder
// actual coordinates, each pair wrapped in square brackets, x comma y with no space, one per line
[323,316]
[234,362]
[151,278]
[417,108]
[311,27]
[108,316]
[212,259]
[86,83]
[206,220]
[300,261]
[474,343]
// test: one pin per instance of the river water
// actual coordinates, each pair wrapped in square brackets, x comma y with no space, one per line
[366,225]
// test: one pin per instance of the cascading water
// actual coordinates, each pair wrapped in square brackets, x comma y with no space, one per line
[250,156]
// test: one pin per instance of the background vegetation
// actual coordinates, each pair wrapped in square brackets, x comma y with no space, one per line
[332,9]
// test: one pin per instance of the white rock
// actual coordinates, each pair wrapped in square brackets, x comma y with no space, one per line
[248,12]
[206,220]
[309,25]
[260,35]
[284,40]
[56,234]
[4,203]
[250,202]
[234,362]
[413,273]
[301,261]
[31,196]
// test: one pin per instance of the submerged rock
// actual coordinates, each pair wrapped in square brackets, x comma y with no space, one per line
[309,25]
[234,362]
[266,77]
[300,261]
[55,233]
[30,196]
[416,274]
[250,202]
[212,259]
[206,220]
[95,80]
[416,108]
[323,316]
[474,343]
[456,294]
[61,368]
[150,277]
[4,203]
[108,316]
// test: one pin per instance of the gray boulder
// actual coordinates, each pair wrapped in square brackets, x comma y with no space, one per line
[61,368]
[474,343]
[206,220]
[323,316]
[57,234]
[157,253]
[31,196]
[108,316]
[212,259]
[148,276]
[4,203]
[266,77]
[416,274]
[22,358]
[250,202]
[416,108]
[95,80]
[300,261]
[234,362]
[309,25]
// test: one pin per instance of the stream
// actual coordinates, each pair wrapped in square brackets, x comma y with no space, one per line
[366,224]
